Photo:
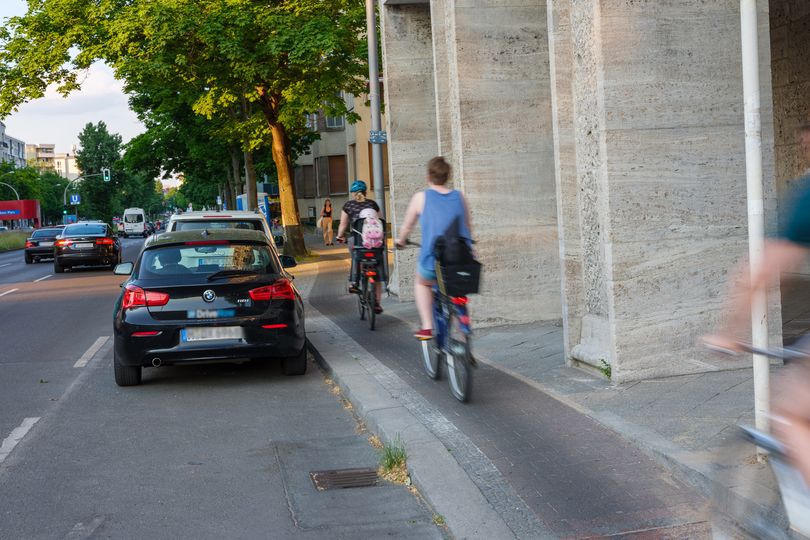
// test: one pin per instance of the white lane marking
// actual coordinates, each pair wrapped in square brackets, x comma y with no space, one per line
[43,278]
[16,436]
[88,354]
[81,531]
[7,264]
[8,292]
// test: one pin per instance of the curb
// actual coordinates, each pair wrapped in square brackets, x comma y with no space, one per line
[434,470]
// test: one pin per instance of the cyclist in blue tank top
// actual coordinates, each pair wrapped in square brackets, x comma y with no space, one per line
[436,208]
[783,255]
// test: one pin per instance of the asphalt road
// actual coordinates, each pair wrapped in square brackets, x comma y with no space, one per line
[216,451]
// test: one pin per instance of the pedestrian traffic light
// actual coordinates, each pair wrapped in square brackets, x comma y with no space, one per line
[105,173]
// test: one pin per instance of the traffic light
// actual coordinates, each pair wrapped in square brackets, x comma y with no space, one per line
[105,173]
[64,210]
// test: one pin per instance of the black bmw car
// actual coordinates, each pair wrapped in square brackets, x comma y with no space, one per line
[40,244]
[85,244]
[200,296]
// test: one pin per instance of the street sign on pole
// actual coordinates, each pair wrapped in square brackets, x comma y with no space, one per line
[75,199]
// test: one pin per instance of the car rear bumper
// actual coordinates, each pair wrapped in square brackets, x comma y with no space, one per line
[39,252]
[95,256]
[167,346]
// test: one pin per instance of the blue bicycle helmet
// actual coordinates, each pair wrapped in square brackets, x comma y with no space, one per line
[358,185]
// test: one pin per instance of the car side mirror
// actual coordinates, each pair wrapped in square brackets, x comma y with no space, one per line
[279,240]
[123,269]
[287,261]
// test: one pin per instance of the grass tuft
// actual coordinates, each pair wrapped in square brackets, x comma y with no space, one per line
[393,462]
[13,240]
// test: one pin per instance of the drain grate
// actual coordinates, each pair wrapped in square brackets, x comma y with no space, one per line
[343,478]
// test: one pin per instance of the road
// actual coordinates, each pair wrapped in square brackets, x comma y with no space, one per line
[217,451]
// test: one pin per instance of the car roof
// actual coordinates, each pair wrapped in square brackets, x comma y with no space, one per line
[213,214]
[233,235]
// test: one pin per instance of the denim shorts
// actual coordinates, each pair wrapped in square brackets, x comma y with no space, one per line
[426,273]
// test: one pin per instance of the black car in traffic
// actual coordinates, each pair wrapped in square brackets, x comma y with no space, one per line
[40,244]
[86,244]
[200,296]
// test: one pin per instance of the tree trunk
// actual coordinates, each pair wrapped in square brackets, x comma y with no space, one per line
[294,244]
[237,174]
[250,175]
[230,201]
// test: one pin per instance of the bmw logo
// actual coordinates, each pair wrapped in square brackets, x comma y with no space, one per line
[209,296]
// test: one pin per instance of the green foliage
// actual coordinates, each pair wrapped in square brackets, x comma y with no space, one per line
[32,183]
[393,455]
[605,368]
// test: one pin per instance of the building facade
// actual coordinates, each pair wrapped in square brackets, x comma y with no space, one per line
[12,150]
[64,164]
[601,147]
[41,156]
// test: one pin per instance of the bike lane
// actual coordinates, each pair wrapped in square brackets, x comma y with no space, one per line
[578,478]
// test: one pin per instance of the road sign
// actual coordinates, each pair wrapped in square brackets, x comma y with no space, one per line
[75,199]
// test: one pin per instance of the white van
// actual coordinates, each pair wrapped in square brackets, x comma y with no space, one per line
[135,222]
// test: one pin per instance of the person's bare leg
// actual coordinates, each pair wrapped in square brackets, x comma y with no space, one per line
[423,291]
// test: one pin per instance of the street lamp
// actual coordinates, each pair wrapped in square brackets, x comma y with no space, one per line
[12,189]
[377,136]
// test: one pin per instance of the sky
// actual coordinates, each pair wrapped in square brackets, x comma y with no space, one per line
[57,120]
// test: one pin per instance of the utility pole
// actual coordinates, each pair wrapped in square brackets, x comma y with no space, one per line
[756,207]
[377,136]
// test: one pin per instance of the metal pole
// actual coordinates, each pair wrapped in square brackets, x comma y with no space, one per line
[377,136]
[756,217]
[12,189]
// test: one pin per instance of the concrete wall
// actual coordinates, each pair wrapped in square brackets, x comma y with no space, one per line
[660,167]
[502,142]
[410,118]
[790,52]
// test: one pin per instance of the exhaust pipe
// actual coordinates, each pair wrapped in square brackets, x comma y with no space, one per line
[156,362]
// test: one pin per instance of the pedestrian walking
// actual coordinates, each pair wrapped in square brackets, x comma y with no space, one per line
[326,222]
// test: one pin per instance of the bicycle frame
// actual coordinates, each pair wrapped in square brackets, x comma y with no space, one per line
[441,316]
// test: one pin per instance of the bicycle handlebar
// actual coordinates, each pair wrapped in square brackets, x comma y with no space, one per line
[783,353]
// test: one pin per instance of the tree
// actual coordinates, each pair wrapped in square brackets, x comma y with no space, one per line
[100,149]
[288,58]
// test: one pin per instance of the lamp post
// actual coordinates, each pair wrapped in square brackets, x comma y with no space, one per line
[756,207]
[15,192]
[377,136]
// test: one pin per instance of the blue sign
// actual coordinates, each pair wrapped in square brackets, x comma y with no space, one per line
[75,199]
[9,212]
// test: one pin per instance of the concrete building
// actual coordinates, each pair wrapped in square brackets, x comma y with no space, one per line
[40,155]
[64,163]
[601,147]
[11,150]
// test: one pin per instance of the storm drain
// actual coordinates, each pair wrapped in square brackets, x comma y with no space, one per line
[343,478]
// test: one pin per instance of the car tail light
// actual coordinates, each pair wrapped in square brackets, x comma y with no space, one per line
[280,290]
[134,297]
[29,243]
[63,242]
[371,273]
[459,300]
[146,334]
[368,254]
[104,242]
[274,326]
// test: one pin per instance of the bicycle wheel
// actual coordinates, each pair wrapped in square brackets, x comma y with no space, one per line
[459,363]
[371,302]
[361,300]
[431,359]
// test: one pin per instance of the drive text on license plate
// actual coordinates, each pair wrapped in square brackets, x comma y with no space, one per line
[212,332]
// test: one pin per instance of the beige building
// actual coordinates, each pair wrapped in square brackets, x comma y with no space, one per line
[65,165]
[341,156]
[601,145]
[40,156]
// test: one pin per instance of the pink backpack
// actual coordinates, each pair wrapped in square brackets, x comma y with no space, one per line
[372,234]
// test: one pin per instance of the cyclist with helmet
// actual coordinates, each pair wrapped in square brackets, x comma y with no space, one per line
[350,213]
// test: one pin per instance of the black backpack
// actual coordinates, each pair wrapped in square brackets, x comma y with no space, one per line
[457,271]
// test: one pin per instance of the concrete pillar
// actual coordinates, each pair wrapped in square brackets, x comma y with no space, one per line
[658,134]
[500,113]
[441,69]
[410,118]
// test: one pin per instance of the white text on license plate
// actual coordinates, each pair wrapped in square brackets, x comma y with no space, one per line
[212,332]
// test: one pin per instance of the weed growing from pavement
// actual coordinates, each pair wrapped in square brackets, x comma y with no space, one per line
[605,368]
[393,462]
[438,519]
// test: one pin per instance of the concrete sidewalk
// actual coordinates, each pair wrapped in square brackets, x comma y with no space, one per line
[524,461]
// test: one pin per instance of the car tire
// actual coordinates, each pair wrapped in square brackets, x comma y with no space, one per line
[28,259]
[126,375]
[296,365]
[58,268]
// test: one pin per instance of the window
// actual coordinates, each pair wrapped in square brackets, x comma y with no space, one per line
[206,259]
[82,229]
[334,122]
[305,181]
[312,122]
[338,179]
[250,225]
[133,218]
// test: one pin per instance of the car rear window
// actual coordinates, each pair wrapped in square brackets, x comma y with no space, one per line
[246,224]
[205,259]
[46,233]
[133,218]
[84,228]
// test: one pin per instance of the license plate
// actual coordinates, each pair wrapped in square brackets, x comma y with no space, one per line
[46,244]
[83,245]
[211,333]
